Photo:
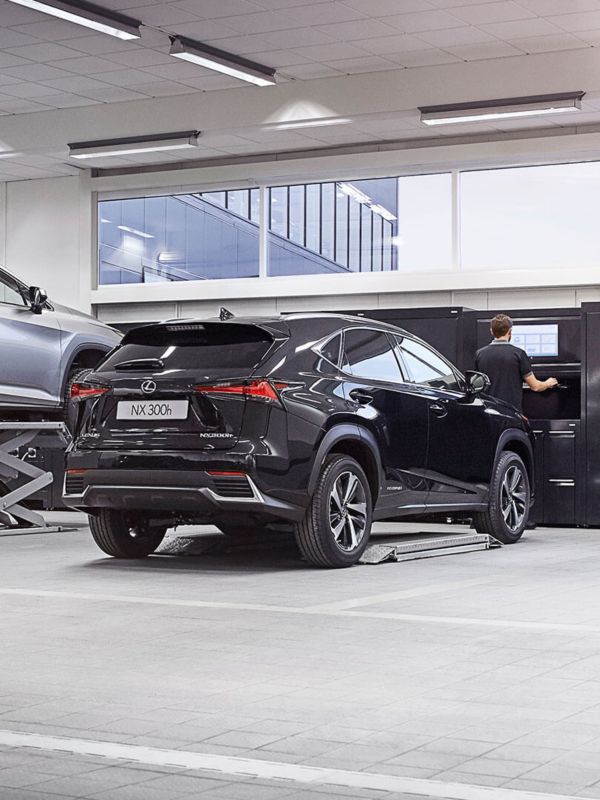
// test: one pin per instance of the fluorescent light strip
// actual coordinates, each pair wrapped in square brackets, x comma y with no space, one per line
[308,123]
[135,231]
[88,15]
[130,145]
[510,108]
[220,61]
[365,200]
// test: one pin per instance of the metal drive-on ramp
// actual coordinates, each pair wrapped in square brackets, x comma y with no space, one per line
[427,546]
[14,516]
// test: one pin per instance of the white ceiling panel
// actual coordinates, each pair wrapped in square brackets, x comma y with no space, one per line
[48,64]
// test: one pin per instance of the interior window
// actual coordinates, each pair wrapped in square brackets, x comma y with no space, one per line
[9,293]
[368,354]
[425,366]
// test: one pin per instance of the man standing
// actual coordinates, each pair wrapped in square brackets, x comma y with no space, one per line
[508,366]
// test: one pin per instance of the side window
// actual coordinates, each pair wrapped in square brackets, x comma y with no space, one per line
[425,366]
[9,292]
[331,351]
[368,354]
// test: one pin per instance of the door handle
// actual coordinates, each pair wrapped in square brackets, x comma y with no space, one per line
[438,410]
[362,397]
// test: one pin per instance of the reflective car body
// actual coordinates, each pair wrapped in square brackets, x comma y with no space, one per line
[42,346]
[268,400]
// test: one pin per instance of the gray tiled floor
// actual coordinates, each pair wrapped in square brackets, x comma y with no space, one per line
[482,668]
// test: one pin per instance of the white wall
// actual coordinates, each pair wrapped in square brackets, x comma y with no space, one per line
[45,233]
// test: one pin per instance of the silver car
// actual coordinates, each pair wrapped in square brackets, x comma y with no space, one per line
[43,346]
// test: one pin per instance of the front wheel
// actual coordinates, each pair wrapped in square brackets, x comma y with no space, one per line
[337,525]
[125,535]
[509,501]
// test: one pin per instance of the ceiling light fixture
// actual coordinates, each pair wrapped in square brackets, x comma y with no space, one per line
[308,123]
[89,15]
[219,60]
[507,108]
[130,145]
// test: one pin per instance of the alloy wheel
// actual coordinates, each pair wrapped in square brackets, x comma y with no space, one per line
[348,511]
[513,498]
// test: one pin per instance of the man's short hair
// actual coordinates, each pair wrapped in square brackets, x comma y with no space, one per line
[500,325]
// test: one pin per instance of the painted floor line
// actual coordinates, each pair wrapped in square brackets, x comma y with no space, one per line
[308,610]
[236,766]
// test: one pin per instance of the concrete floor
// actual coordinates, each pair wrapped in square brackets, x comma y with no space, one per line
[423,679]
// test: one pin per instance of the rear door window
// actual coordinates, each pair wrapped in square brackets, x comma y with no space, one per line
[194,347]
[368,354]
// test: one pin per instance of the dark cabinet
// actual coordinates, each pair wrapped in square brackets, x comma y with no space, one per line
[556,454]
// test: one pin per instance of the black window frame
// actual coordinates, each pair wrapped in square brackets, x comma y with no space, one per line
[401,371]
[459,377]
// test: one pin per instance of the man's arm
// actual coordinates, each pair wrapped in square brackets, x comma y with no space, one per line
[539,386]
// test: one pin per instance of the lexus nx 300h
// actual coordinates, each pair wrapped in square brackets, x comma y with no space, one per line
[320,423]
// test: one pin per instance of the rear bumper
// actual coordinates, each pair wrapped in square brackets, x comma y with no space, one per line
[179,493]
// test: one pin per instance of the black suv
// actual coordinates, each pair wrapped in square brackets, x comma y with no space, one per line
[320,423]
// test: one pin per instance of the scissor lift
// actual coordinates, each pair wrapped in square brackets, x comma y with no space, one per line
[15,518]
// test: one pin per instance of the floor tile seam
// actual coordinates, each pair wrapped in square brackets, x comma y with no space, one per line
[296,610]
[311,776]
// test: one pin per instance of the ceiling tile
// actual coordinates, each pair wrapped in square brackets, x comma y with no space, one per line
[353,66]
[11,38]
[113,94]
[521,28]
[141,57]
[66,100]
[383,8]
[299,37]
[29,91]
[329,52]
[86,65]
[161,14]
[262,22]
[125,77]
[392,45]
[590,37]
[202,30]
[547,44]
[11,14]
[211,81]
[359,29]
[213,9]
[323,14]
[11,60]
[245,44]
[15,105]
[76,84]
[278,58]
[277,4]
[424,21]
[456,36]
[311,71]
[493,49]
[36,72]
[43,51]
[545,8]
[585,20]
[98,44]
[425,58]
[176,70]
[504,11]
[162,88]
[49,29]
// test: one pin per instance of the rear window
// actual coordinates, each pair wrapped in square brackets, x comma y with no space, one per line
[209,346]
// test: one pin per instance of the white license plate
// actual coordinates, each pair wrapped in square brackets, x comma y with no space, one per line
[152,409]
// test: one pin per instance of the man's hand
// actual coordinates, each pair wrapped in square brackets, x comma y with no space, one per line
[540,386]
[550,382]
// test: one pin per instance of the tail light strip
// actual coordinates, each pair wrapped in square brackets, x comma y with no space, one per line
[81,391]
[258,389]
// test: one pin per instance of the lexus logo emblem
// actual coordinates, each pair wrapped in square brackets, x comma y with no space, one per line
[148,387]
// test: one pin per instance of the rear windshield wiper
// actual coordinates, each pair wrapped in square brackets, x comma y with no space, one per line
[141,363]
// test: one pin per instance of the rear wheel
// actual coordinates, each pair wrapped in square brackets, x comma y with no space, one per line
[509,501]
[125,535]
[337,525]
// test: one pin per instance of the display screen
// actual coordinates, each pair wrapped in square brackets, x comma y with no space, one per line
[536,340]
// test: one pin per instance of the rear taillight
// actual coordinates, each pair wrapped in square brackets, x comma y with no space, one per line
[257,389]
[82,391]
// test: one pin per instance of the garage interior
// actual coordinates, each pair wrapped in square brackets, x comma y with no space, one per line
[426,164]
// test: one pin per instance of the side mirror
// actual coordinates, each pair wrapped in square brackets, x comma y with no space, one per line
[37,297]
[477,382]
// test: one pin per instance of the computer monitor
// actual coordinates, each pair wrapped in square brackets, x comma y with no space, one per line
[538,340]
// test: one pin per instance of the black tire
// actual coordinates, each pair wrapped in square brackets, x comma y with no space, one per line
[509,501]
[316,535]
[70,408]
[119,534]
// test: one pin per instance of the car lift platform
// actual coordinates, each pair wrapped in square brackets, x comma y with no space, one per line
[427,545]
[14,517]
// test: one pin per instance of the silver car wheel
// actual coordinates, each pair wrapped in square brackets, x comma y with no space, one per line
[513,498]
[348,511]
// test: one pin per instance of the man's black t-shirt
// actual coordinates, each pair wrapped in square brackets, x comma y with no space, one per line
[506,366]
